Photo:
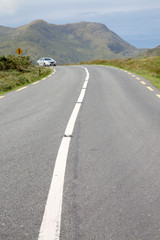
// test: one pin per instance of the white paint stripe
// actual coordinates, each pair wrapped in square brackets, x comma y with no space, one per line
[72,120]
[50,227]
[85,84]
[1,96]
[82,94]
[158,95]
[87,74]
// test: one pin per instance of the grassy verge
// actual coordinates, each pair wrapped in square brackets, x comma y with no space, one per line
[148,68]
[19,71]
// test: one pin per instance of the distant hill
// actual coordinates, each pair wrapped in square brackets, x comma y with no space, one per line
[69,43]
[151,52]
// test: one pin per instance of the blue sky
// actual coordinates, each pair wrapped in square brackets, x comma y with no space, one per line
[136,21]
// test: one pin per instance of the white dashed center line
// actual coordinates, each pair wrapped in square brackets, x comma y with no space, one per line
[50,227]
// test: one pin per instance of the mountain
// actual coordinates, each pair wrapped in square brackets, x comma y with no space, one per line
[69,43]
[151,52]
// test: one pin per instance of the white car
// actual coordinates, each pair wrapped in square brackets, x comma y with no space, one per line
[47,61]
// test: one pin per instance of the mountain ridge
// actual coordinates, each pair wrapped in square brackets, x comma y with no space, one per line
[151,52]
[67,43]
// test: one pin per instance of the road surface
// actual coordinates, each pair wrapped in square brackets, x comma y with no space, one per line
[111,184]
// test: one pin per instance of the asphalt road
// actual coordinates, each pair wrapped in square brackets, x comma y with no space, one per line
[111,185]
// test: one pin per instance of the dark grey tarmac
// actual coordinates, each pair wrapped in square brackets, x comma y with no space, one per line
[111,189]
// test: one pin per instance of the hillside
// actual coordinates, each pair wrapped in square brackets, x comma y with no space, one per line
[67,43]
[151,52]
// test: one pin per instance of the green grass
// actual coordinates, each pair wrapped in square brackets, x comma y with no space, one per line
[16,72]
[148,68]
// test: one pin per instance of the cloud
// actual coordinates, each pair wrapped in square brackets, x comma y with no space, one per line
[9,7]
[71,8]
[101,6]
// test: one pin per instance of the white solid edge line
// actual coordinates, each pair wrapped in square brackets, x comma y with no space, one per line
[50,227]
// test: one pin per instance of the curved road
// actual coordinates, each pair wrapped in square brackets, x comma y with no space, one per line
[111,185]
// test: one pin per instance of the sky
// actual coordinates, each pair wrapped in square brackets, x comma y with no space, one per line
[135,21]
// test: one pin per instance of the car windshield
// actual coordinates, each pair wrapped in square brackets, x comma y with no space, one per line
[48,59]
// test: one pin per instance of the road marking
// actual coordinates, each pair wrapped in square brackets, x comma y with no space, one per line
[158,95]
[87,74]
[149,88]
[138,78]
[72,120]
[81,96]
[1,96]
[129,73]
[35,83]
[143,82]
[54,71]
[44,78]
[134,76]
[50,227]
[85,85]
[20,89]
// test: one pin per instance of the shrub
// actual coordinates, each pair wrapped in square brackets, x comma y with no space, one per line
[6,63]
[20,63]
[22,80]
[5,86]
[18,71]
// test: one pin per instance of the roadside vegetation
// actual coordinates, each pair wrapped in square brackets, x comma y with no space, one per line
[19,71]
[148,67]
